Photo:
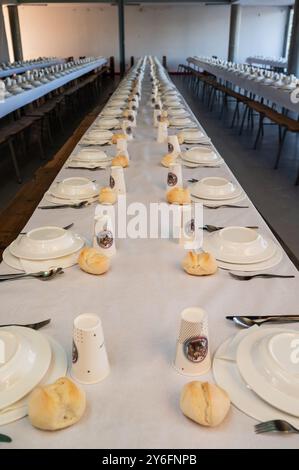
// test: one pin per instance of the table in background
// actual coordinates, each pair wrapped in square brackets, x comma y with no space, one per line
[272,63]
[15,102]
[37,65]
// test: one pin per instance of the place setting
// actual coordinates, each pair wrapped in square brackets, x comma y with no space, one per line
[258,371]
[96,137]
[43,252]
[215,192]
[90,158]
[71,192]
[198,156]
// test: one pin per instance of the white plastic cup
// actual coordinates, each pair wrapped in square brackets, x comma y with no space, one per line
[192,350]
[90,362]
[162,133]
[173,143]
[121,145]
[117,180]
[174,176]
[104,237]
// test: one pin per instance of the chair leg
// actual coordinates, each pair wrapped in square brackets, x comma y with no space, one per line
[243,119]
[297,180]
[14,160]
[259,132]
[284,133]
[235,114]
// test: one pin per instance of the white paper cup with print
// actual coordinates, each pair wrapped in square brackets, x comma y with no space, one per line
[173,144]
[121,145]
[104,235]
[193,350]
[157,114]
[117,180]
[90,362]
[174,176]
[162,133]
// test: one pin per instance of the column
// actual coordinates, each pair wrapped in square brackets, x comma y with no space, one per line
[121,33]
[234,33]
[293,64]
[4,56]
[15,31]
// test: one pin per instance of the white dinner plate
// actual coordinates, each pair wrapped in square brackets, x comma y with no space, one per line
[19,252]
[84,188]
[22,377]
[19,264]
[55,200]
[254,267]
[106,123]
[198,165]
[114,112]
[57,369]
[200,154]
[274,389]
[91,154]
[227,376]
[213,203]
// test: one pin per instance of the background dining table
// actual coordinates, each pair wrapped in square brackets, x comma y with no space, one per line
[269,92]
[139,301]
[30,66]
[268,62]
[12,103]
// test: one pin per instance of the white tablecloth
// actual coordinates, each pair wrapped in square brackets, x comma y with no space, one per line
[268,62]
[18,101]
[37,65]
[139,301]
[275,95]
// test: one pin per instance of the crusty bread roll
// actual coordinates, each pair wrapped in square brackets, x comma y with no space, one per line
[93,262]
[181,137]
[168,159]
[199,264]
[120,160]
[204,403]
[164,113]
[56,406]
[163,119]
[115,137]
[107,196]
[178,196]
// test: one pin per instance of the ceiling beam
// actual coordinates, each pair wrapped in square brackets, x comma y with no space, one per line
[115,2]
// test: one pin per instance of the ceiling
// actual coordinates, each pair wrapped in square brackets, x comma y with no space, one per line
[155,2]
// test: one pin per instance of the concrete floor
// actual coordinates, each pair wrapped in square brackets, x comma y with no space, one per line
[272,191]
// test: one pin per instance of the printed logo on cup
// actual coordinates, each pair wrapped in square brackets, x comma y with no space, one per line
[2,352]
[196,349]
[190,227]
[112,182]
[172,179]
[295,351]
[130,118]
[170,147]
[105,239]
[75,354]
[157,106]
[129,130]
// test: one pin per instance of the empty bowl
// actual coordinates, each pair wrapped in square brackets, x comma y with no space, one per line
[94,155]
[215,188]
[76,188]
[46,243]
[240,245]
[200,155]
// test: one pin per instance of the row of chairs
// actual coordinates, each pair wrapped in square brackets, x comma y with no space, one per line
[37,122]
[211,90]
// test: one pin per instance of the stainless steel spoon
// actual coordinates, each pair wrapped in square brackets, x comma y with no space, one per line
[42,275]
[247,322]
[214,228]
[67,227]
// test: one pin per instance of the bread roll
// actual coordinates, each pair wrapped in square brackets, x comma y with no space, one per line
[199,264]
[168,159]
[115,137]
[178,196]
[120,160]
[204,403]
[181,138]
[93,262]
[107,196]
[56,406]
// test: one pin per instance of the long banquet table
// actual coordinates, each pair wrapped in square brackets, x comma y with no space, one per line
[18,101]
[275,95]
[278,64]
[36,65]
[139,301]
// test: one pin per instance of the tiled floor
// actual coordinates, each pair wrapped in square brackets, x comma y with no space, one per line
[272,191]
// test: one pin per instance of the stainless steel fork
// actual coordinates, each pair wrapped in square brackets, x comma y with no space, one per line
[276,425]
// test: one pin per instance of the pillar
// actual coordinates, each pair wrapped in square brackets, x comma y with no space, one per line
[121,33]
[293,63]
[15,31]
[234,33]
[4,55]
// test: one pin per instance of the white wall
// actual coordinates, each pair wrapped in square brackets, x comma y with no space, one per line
[172,30]
[262,31]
